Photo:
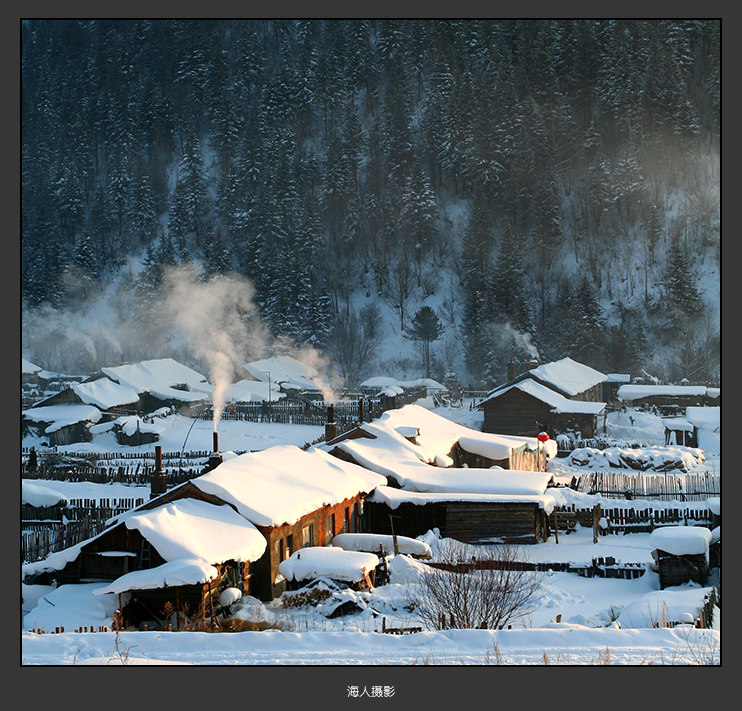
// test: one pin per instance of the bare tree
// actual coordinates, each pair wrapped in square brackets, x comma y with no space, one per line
[354,343]
[487,595]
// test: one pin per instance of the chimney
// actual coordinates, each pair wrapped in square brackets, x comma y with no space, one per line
[530,365]
[331,428]
[158,480]
[215,459]
[511,371]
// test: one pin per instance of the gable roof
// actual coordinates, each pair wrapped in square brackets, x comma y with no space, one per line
[565,376]
[286,371]
[557,402]
[104,393]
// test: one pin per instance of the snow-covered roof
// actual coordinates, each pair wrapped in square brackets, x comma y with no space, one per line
[62,415]
[704,417]
[618,378]
[335,563]
[39,495]
[425,465]
[253,391]
[381,381]
[160,377]
[681,540]
[679,424]
[393,498]
[567,375]
[637,392]
[104,393]
[713,392]
[285,370]
[281,484]
[372,542]
[189,528]
[184,571]
[29,368]
[558,403]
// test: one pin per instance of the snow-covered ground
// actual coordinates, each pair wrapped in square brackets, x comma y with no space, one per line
[578,621]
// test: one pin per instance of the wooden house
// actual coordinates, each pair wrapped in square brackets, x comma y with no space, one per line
[471,518]
[61,424]
[231,527]
[528,407]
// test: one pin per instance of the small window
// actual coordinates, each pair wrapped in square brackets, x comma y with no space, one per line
[329,528]
[289,545]
[346,522]
[308,535]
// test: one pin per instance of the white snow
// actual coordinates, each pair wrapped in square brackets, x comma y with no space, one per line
[189,528]
[417,466]
[29,368]
[35,494]
[382,382]
[253,391]
[371,543]
[637,392]
[334,563]
[681,540]
[281,484]
[162,378]
[393,498]
[568,375]
[60,416]
[182,571]
[105,393]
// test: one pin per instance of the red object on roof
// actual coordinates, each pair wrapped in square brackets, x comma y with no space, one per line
[542,437]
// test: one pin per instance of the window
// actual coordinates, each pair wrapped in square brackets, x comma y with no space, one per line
[279,550]
[308,535]
[329,528]
[346,522]
[289,545]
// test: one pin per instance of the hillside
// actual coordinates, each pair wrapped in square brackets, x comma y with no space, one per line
[547,187]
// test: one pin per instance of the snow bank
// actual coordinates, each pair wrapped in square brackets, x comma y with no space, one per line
[681,540]
[335,563]
[370,542]
[643,459]
[663,608]
[38,495]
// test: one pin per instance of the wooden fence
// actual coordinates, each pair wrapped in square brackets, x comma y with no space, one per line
[628,519]
[660,487]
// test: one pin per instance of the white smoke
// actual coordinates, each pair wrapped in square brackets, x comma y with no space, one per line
[219,322]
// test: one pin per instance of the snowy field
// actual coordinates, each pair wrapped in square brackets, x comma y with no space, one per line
[578,621]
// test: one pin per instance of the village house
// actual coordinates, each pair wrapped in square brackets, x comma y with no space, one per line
[443,475]
[123,391]
[229,528]
[557,398]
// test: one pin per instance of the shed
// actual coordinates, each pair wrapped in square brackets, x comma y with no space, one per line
[681,554]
